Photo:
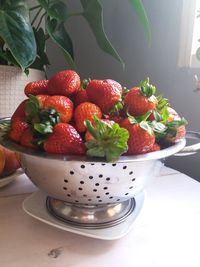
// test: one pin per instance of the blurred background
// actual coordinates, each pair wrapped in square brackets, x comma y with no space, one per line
[158,60]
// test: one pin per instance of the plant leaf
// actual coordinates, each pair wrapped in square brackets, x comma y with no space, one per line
[17,32]
[59,35]
[94,16]
[140,11]
[58,10]
[44,4]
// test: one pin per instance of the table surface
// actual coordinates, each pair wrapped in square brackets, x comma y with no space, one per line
[165,234]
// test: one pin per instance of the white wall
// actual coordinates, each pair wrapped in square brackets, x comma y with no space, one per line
[157,61]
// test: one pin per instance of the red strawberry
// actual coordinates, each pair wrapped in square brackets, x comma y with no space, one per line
[180,134]
[36,88]
[80,97]
[115,84]
[137,104]
[18,126]
[41,99]
[173,115]
[64,140]
[176,127]
[62,104]
[104,93]
[140,141]
[27,139]
[66,82]
[155,147]
[20,111]
[85,111]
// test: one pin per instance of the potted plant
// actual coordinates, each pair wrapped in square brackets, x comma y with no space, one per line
[23,34]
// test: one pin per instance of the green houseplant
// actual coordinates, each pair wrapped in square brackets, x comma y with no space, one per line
[23,39]
[24,30]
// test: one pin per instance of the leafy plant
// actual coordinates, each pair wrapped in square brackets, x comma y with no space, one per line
[23,40]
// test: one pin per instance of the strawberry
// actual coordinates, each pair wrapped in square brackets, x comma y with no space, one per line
[80,97]
[140,100]
[85,111]
[108,139]
[140,139]
[62,104]
[41,99]
[155,147]
[104,93]
[20,111]
[18,126]
[36,88]
[64,140]
[27,139]
[172,138]
[175,127]
[66,83]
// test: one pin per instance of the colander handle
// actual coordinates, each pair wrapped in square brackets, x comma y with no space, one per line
[189,150]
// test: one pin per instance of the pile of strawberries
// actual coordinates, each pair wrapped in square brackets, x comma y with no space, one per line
[99,118]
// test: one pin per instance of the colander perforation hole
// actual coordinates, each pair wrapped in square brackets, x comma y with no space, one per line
[84,195]
[91,177]
[114,164]
[98,197]
[89,199]
[82,166]
[133,180]
[105,188]
[103,164]
[126,194]
[80,188]
[124,167]
[92,164]
[108,179]
[118,199]
[71,172]
[131,172]
[110,197]
[64,188]
[100,175]
[107,193]
[81,182]
[66,181]
[130,187]
[99,200]
[68,195]
[97,184]
[94,190]
[76,201]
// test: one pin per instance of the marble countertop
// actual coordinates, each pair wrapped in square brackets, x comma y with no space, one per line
[165,234]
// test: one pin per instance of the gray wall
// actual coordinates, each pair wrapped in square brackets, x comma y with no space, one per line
[157,61]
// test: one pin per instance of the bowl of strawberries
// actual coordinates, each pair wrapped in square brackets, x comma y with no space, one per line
[92,143]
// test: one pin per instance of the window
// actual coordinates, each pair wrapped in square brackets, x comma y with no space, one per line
[190,34]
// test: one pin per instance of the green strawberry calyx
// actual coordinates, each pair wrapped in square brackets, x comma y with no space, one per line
[84,83]
[161,112]
[115,110]
[152,127]
[110,141]
[172,126]
[148,89]
[42,120]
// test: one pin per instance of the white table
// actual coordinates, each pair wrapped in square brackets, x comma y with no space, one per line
[165,234]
